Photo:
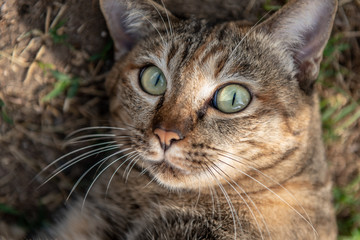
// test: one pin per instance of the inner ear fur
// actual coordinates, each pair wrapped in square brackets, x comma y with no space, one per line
[130,20]
[303,27]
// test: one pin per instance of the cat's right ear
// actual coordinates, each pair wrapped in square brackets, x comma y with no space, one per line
[128,21]
[303,27]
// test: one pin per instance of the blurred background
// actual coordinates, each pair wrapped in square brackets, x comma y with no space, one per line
[54,56]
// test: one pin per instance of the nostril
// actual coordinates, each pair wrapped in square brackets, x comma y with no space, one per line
[166,137]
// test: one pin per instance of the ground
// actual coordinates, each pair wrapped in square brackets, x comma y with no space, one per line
[54,56]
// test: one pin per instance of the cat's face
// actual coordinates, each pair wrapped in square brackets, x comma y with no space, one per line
[196,63]
[205,104]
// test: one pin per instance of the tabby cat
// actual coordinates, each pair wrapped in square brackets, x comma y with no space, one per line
[216,124]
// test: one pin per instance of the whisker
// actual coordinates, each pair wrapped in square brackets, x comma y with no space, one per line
[280,185]
[279,197]
[116,170]
[228,200]
[266,176]
[100,173]
[152,179]
[152,24]
[167,15]
[133,162]
[94,128]
[122,145]
[103,149]
[81,178]
[247,205]
[162,19]
[249,32]
[72,152]
[87,171]
[198,199]
[212,192]
[128,125]
[212,200]
[77,160]
[127,168]
[143,171]
[218,203]
[95,139]
[91,136]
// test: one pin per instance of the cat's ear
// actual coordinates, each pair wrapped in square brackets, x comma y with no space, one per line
[130,20]
[303,27]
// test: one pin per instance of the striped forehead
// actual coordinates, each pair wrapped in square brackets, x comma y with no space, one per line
[206,61]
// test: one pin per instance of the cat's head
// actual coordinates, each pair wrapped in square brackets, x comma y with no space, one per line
[204,103]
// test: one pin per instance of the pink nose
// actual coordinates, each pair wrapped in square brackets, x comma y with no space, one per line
[166,137]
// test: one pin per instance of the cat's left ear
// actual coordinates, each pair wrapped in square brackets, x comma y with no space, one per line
[303,27]
[130,20]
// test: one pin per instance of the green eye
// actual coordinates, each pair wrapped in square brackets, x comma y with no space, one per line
[153,81]
[231,98]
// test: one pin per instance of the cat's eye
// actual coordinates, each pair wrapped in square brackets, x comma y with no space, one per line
[231,98]
[153,81]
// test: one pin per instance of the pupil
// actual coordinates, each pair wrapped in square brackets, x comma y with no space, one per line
[233,100]
[157,80]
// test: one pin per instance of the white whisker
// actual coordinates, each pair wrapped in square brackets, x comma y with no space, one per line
[152,179]
[117,169]
[242,198]
[72,152]
[162,19]
[104,162]
[152,24]
[132,164]
[198,199]
[86,172]
[168,18]
[247,34]
[143,171]
[71,142]
[269,178]
[95,128]
[212,200]
[77,160]
[212,192]
[278,196]
[228,200]
[94,136]
[82,176]
[93,182]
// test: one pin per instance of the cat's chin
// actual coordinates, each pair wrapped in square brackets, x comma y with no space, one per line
[171,175]
[167,167]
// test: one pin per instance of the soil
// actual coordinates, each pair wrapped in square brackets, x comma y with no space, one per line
[40,38]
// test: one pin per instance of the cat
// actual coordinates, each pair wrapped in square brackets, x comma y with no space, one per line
[217,123]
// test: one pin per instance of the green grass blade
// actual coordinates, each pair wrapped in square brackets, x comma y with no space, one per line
[73,88]
[3,113]
[8,210]
[59,88]
[270,7]
[351,120]
[65,83]
[328,112]
[345,112]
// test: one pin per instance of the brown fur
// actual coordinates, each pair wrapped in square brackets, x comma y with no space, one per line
[256,174]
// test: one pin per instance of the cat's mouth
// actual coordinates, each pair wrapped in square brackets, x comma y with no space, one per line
[169,166]
[166,166]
